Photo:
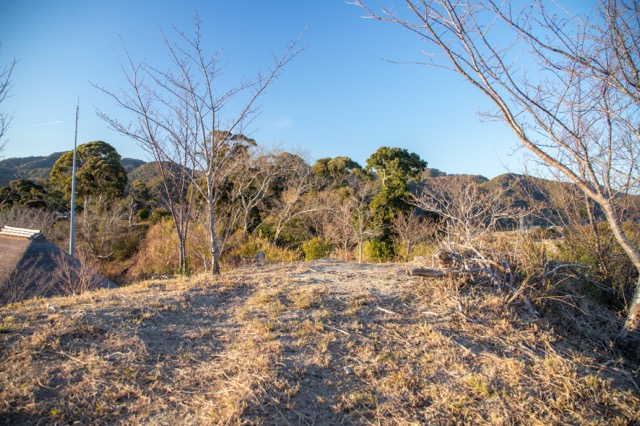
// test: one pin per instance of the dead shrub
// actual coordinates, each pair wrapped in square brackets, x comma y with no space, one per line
[27,217]
[76,275]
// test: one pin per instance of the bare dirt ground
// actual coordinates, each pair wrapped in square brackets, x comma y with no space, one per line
[320,342]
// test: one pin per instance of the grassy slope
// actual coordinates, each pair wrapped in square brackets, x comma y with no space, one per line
[318,342]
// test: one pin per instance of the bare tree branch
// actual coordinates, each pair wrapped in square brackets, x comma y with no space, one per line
[568,86]
[184,117]
[5,90]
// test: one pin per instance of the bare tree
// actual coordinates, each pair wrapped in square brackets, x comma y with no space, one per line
[566,85]
[99,227]
[183,110]
[364,191]
[586,238]
[255,172]
[75,276]
[470,213]
[5,89]
[412,229]
[161,137]
[296,180]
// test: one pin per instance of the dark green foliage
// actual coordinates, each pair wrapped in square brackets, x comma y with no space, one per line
[337,171]
[316,248]
[143,214]
[158,215]
[138,197]
[377,250]
[28,168]
[396,162]
[38,168]
[99,172]
[127,243]
[130,164]
[394,167]
[27,193]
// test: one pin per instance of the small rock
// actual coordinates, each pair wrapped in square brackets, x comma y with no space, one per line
[348,370]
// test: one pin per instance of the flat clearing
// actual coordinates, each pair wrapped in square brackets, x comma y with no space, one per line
[321,342]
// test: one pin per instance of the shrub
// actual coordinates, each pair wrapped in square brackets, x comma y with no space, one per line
[158,215]
[316,248]
[158,253]
[126,244]
[611,266]
[143,214]
[250,248]
[378,251]
[425,250]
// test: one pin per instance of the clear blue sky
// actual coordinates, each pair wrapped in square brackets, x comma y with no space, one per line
[339,97]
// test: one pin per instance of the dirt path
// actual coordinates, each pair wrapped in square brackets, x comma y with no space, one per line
[321,342]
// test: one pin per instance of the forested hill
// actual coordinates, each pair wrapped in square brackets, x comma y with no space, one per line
[38,167]
[533,195]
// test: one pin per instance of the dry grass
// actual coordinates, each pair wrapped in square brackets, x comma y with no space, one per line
[308,343]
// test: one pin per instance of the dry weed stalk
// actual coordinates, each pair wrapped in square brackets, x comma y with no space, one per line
[76,276]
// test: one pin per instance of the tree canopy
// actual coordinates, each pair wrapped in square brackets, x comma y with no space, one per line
[396,162]
[394,167]
[99,172]
[336,170]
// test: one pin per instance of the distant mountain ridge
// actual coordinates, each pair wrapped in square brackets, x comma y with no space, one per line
[38,167]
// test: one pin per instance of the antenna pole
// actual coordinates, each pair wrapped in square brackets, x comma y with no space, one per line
[73,188]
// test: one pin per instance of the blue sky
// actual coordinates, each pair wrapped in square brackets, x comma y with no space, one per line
[339,97]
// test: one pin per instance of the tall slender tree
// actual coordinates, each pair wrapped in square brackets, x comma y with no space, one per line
[186,112]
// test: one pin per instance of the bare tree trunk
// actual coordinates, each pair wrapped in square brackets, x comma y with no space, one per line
[132,205]
[632,323]
[213,232]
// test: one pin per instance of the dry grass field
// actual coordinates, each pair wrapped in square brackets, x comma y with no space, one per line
[321,342]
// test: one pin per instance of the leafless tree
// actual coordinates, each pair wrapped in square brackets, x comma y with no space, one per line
[567,86]
[296,180]
[99,227]
[160,133]
[578,219]
[469,212]
[412,229]
[255,173]
[5,89]
[364,191]
[75,276]
[333,220]
[184,111]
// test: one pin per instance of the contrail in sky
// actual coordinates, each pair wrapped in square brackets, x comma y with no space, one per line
[47,124]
